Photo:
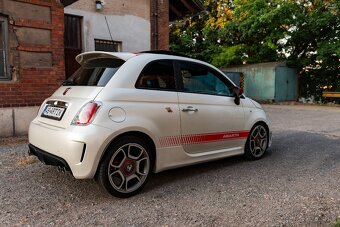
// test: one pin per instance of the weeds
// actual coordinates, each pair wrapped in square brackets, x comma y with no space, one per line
[337,222]
[27,160]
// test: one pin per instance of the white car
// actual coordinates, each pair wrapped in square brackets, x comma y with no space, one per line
[122,116]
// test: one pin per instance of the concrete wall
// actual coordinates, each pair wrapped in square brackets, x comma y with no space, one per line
[128,20]
[15,121]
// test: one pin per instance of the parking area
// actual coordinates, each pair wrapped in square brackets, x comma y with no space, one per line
[295,184]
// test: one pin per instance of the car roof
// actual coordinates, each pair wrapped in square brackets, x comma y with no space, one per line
[137,59]
[150,55]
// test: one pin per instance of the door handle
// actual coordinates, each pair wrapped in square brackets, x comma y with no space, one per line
[189,109]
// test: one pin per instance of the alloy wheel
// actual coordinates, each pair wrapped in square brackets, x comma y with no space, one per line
[128,168]
[258,141]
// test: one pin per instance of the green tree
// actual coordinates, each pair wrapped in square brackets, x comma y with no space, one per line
[305,33]
[232,55]
[198,36]
[314,46]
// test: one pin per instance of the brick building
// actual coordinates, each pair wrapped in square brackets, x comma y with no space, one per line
[163,11]
[32,59]
[33,48]
[120,25]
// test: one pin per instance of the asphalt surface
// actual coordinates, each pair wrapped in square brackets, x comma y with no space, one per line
[296,184]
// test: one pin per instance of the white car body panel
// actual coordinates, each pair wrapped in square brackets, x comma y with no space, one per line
[76,97]
[209,134]
[177,136]
[69,144]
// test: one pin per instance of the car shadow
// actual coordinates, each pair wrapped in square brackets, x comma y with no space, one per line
[194,172]
[56,183]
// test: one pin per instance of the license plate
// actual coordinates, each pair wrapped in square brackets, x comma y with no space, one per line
[53,112]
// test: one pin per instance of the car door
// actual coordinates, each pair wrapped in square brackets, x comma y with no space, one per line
[156,100]
[210,120]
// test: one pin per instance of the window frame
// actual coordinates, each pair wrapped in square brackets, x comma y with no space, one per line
[158,89]
[221,76]
[4,51]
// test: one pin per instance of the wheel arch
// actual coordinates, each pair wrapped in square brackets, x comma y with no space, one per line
[138,134]
[261,122]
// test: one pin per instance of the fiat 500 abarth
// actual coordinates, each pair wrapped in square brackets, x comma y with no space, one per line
[121,116]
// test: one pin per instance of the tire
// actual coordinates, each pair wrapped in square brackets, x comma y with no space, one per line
[125,167]
[257,142]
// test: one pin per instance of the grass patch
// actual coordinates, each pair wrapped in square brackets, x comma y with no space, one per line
[337,222]
[26,161]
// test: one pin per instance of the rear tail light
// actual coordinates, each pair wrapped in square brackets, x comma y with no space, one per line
[86,114]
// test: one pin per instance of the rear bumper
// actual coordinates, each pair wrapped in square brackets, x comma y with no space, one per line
[77,148]
[47,158]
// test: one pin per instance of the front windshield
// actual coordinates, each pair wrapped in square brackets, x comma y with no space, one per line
[96,72]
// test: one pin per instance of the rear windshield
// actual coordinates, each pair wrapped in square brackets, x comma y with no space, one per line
[95,72]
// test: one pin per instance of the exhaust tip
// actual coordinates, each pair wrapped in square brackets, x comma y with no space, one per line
[61,169]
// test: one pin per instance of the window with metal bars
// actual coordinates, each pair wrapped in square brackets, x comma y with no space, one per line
[107,45]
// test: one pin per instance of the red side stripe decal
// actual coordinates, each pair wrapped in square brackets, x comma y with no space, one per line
[202,138]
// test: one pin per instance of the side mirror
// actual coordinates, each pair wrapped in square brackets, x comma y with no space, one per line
[237,93]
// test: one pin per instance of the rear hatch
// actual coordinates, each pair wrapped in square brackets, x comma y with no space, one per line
[97,68]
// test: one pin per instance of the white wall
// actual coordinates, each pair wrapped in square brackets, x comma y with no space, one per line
[132,31]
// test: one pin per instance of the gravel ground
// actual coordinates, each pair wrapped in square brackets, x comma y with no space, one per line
[295,184]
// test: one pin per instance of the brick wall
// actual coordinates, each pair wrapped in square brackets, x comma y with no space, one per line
[160,24]
[36,51]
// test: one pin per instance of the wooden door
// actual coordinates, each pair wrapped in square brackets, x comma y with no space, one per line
[72,43]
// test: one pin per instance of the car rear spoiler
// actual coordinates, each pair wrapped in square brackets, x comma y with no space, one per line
[84,57]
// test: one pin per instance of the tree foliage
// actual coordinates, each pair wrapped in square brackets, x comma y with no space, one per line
[198,36]
[305,33]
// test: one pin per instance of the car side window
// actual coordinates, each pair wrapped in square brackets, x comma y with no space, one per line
[158,75]
[198,78]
